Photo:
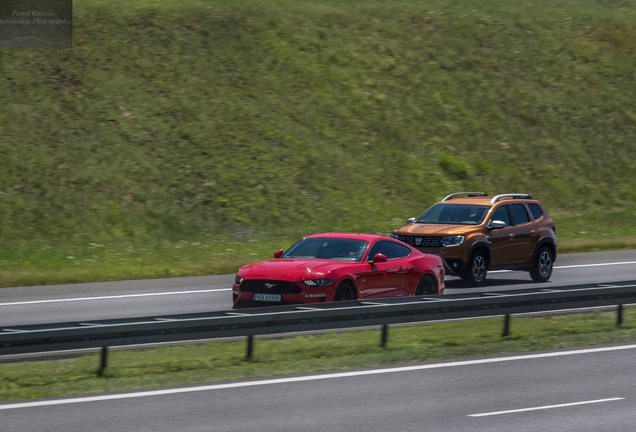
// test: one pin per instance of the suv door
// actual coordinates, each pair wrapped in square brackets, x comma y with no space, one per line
[523,234]
[501,239]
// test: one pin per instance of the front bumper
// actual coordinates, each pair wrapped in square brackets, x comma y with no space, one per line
[244,299]
[452,266]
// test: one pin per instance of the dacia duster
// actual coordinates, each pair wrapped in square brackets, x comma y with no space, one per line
[475,233]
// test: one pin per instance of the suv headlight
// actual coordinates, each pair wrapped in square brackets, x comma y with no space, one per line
[238,279]
[395,236]
[452,240]
[318,282]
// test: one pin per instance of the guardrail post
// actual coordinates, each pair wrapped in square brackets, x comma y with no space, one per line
[385,335]
[619,315]
[506,329]
[103,361]
[250,346]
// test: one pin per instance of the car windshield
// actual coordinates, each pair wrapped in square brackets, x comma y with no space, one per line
[460,214]
[328,248]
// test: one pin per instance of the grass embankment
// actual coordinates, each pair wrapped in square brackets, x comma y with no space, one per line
[225,361]
[183,137]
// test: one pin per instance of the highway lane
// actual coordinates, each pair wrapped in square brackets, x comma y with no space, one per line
[586,390]
[154,297]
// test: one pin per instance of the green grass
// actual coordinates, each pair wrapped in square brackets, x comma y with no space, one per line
[266,120]
[225,361]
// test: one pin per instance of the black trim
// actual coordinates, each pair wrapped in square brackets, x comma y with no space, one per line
[480,243]
[522,266]
[542,241]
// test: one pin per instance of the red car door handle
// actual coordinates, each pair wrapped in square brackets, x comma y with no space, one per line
[402,268]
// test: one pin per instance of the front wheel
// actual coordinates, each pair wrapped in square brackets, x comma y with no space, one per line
[475,274]
[344,293]
[427,286]
[542,269]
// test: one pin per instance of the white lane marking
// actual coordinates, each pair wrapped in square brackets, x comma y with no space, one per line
[575,266]
[114,297]
[546,407]
[595,265]
[321,377]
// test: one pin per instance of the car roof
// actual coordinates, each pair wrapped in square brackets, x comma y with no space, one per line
[351,236]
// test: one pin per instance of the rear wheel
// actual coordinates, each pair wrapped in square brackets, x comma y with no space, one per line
[475,274]
[542,269]
[427,286]
[344,293]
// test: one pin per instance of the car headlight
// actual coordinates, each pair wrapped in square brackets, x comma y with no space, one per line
[452,240]
[318,282]
[395,236]
[238,280]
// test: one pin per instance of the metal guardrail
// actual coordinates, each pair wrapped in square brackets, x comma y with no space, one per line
[300,318]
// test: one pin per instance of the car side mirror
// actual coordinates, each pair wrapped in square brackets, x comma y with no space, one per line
[496,224]
[278,253]
[379,258]
[410,220]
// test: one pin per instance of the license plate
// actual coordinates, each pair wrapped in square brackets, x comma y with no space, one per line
[268,297]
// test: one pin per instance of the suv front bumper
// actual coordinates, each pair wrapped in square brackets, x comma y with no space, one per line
[452,266]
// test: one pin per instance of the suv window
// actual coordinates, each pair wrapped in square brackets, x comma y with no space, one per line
[519,214]
[502,214]
[390,249]
[535,210]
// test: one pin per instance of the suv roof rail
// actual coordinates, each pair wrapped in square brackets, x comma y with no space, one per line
[499,197]
[465,193]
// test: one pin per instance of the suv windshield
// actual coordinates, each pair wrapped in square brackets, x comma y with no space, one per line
[461,214]
[328,248]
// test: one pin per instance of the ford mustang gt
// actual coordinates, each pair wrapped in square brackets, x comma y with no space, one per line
[338,266]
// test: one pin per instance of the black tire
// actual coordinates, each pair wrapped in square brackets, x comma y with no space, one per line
[344,293]
[427,286]
[475,274]
[542,268]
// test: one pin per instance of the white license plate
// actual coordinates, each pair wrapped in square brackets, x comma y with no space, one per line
[267,297]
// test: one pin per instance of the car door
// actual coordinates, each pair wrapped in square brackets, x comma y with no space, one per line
[385,279]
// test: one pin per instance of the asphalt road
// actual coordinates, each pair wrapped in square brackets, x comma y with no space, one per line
[156,297]
[570,391]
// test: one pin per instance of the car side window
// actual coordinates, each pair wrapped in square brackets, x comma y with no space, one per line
[519,214]
[502,214]
[390,249]
[535,210]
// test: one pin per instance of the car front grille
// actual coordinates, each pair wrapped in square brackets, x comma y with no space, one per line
[421,241]
[270,287]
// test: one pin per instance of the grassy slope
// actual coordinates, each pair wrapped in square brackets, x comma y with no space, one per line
[175,132]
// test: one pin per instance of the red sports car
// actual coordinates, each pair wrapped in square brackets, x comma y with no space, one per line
[339,266]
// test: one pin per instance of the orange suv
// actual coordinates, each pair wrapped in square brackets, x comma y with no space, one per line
[475,233]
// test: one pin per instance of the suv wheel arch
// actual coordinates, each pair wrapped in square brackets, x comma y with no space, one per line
[477,266]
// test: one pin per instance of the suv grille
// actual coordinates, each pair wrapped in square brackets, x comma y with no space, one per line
[421,241]
[272,287]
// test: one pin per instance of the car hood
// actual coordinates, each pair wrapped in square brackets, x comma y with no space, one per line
[291,268]
[434,229]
